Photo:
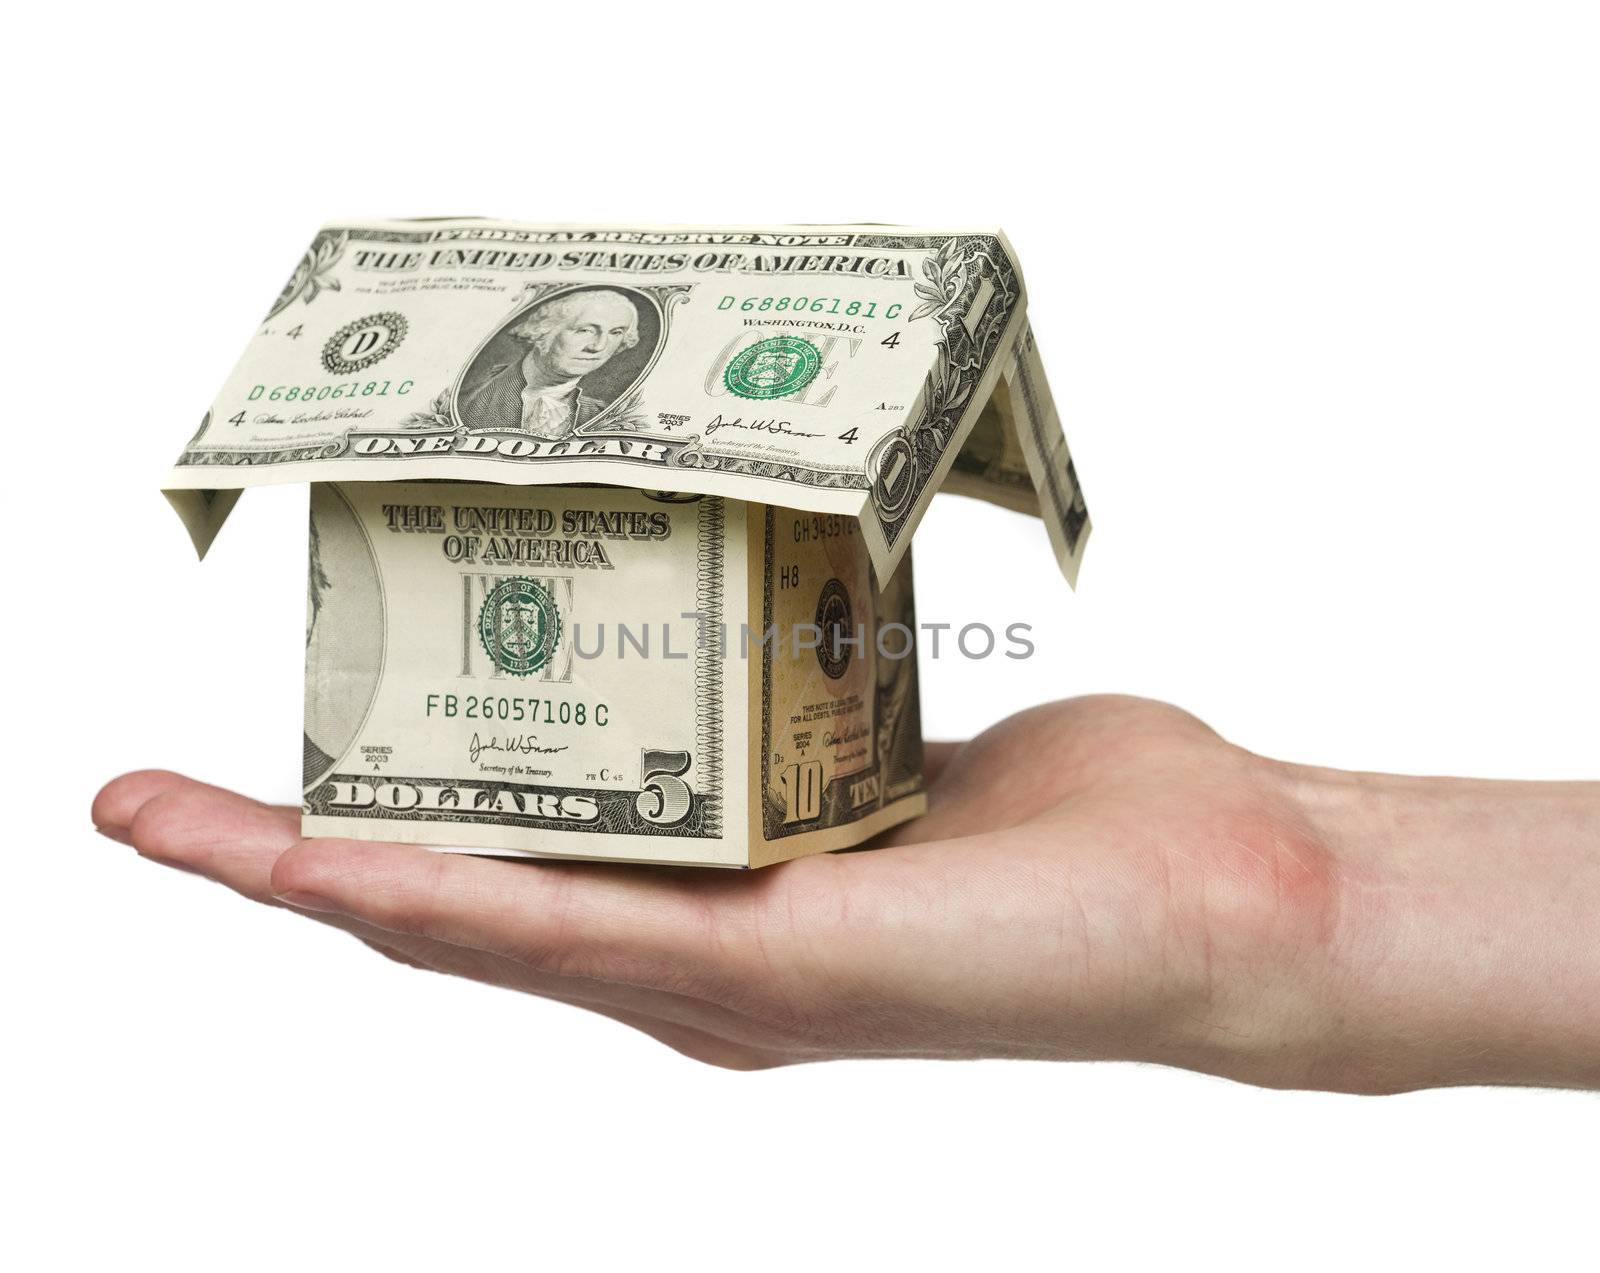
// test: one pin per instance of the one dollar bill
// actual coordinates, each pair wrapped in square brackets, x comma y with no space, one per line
[596,672]
[837,369]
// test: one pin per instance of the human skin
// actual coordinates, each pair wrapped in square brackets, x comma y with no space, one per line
[1096,879]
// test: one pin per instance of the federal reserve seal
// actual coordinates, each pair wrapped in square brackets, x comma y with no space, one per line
[356,346]
[834,619]
[773,368]
[892,470]
[519,626]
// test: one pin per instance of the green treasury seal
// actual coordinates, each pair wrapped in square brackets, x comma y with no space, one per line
[519,626]
[773,368]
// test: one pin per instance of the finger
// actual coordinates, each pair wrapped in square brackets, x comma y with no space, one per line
[658,928]
[236,841]
[395,955]
[121,798]
[216,833]
[661,1014]
[605,923]
[700,1045]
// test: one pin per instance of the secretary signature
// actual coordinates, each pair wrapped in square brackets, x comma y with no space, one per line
[758,426]
[513,744]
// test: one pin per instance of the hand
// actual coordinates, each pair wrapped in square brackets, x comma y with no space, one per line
[1100,878]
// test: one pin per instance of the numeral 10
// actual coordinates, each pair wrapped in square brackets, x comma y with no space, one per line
[802,791]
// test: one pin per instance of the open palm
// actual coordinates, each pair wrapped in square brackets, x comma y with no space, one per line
[1096,878]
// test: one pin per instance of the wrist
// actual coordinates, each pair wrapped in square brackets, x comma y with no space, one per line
[1463,948]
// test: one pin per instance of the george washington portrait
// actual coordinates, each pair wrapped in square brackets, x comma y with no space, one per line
[559,364]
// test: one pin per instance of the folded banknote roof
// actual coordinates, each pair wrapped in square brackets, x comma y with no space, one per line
[852,370]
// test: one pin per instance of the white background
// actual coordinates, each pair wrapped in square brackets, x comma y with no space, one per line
[1317,286]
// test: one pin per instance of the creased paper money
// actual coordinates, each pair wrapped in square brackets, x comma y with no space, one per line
[594,672]
[836,369]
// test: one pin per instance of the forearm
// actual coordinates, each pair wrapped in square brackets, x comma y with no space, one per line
[1467,943]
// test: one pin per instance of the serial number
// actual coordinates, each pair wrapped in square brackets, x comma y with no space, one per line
[810,305]
[324,393]
[513,707]
[823,526]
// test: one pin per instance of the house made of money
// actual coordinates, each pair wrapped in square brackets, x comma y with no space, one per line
[609,551]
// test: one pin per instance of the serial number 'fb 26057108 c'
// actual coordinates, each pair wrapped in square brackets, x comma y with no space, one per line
[516,710]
